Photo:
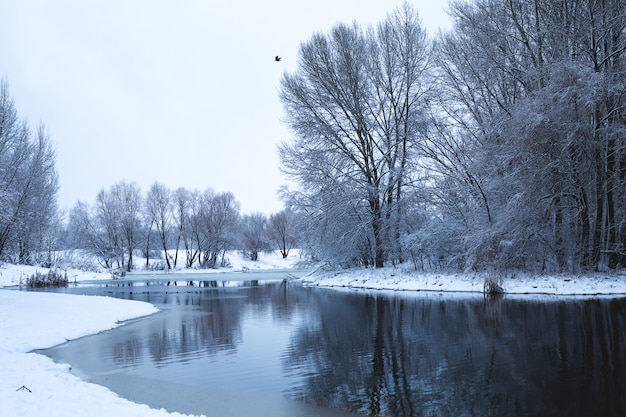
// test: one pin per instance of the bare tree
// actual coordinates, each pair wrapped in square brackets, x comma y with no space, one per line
[281,231]
[88,233]
[220,218]
[28,183]
[118,214]
[354,107]
[181,202]
[159,206]
[254,234]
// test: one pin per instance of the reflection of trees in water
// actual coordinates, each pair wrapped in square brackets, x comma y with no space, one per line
[181,337]
[399,356]
[215,328]
[404,356]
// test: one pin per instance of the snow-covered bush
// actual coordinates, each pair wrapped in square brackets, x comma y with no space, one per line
[54,278]
[493,283]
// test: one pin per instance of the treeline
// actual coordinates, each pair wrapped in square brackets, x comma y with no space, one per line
[498,144]
[180,227]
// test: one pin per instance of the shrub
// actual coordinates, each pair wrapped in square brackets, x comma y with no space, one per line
[54,278]
[118,273]
[493,283]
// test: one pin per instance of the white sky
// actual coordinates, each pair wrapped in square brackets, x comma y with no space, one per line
[180,92]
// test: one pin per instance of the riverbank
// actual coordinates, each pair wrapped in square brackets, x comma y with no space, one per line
[397,279]
[32,385]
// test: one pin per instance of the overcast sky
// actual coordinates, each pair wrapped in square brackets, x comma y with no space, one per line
[180,92]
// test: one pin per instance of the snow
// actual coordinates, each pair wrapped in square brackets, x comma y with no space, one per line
[16,275]
[33,385]
[398,279]
[35,320]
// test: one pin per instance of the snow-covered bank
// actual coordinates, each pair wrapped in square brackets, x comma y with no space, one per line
[33,385]
[409,280]
[15,275]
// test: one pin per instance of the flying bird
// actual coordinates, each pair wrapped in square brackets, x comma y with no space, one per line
[277,58]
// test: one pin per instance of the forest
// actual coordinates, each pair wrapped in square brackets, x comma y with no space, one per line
[496,145]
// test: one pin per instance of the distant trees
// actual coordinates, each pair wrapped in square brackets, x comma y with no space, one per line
[355,105]
[203,225]
[28,187]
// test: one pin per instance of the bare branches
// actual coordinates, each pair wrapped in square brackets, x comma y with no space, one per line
[354,107]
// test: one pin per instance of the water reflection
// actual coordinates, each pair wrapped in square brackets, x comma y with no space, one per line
[395,356]
[368,353]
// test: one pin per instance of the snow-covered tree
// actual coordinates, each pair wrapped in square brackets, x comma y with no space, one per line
[254,237]
[28,184]
[527,140]
[159,208]
[354,105]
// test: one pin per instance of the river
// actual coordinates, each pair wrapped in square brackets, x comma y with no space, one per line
[274,348]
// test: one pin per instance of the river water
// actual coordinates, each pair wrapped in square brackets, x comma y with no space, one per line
[277,349]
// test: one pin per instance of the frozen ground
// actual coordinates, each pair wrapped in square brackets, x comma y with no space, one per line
[32,385]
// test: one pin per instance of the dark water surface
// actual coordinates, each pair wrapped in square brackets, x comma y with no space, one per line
[269,349]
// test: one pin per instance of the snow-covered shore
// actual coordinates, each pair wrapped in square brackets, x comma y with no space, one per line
[514,284]
[33,385]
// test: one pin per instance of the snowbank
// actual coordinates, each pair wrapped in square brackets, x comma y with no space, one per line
[15,275]
[33,385]
[514,284]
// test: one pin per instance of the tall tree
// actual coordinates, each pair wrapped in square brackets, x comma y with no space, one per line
[28,183]
[159,206]
[353,105]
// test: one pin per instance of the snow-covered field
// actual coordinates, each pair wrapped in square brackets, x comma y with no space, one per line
[32,385]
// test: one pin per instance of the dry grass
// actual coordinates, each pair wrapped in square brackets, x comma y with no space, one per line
[54,278]
[494,283]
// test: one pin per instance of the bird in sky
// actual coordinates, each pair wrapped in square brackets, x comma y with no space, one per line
[277,58]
